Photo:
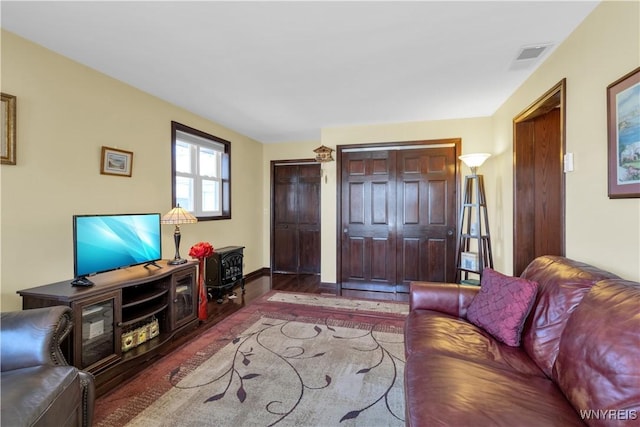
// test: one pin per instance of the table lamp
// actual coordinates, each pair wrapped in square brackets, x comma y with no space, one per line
[178,216]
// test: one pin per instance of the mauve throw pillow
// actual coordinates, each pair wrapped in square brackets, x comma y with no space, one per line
[502,305]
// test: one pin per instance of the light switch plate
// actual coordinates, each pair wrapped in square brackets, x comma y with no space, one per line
[568,162]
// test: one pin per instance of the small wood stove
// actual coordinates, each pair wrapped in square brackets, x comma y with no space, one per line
[223,271]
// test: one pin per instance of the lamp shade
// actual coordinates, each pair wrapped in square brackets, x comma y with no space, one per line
[474,160]
[178,215]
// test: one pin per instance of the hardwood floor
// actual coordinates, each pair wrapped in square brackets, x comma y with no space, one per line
[306,283]
[254,289]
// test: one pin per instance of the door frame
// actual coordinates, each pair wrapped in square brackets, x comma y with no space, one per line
[553,98]
[289,162]
[378,146]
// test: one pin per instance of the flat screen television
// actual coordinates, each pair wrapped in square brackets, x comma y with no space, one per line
[107,242]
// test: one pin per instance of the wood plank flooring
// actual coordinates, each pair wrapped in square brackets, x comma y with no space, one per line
[254,289]
[306,283]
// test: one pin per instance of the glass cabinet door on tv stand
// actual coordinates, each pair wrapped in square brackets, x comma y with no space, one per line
[185,298]
[99,338]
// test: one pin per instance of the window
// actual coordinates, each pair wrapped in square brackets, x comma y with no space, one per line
[200,167]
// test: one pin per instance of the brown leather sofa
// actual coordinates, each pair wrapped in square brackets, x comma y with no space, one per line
[578,362]
[39,388]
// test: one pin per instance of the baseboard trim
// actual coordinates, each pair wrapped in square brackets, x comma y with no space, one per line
[333,287]
[266,271]
[261,272]
[369,287]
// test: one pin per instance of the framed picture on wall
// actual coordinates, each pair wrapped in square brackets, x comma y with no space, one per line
[623,127]
[116,162]
[8,129]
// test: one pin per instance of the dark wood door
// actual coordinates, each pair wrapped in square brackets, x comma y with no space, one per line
[398,216]
[426,216]
[539,180]
[368,220]
[296,218]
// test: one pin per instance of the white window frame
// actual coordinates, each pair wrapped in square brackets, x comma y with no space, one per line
[197,141]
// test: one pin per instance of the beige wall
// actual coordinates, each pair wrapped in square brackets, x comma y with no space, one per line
[600,231]
[66,112]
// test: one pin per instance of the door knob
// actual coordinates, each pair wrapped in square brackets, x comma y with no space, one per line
[449,232]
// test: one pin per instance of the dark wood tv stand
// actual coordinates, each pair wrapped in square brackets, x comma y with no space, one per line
[129,317]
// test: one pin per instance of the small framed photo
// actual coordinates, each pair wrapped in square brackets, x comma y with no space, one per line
[623,126]
[116,162]
[469,261]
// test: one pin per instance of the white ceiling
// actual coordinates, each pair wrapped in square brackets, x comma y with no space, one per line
[282,71]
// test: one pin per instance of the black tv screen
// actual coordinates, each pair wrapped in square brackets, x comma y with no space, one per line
[108,242]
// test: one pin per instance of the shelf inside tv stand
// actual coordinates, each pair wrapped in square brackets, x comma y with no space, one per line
[148,295]
[142,315]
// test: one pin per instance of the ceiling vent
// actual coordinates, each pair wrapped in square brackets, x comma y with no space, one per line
[529,56]
[531,52]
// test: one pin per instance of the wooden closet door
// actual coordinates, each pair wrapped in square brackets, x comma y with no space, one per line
[426,216]
[308,197]
[296,218]
[368,220]
[398,217]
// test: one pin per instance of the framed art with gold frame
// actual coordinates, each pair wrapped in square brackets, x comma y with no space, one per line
[8,131]
[116,162]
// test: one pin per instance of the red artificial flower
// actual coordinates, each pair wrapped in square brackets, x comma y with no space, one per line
[201,250]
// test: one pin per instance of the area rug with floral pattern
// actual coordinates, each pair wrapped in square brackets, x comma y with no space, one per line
[286,359]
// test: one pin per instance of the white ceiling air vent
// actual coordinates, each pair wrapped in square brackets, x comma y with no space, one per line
[529,55]
[530,52]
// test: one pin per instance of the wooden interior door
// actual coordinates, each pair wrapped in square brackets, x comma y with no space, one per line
[539,201]
[426,216]
[295,242]
[368,220]
[397,216]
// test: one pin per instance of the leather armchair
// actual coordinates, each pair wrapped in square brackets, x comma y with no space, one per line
[39,388]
